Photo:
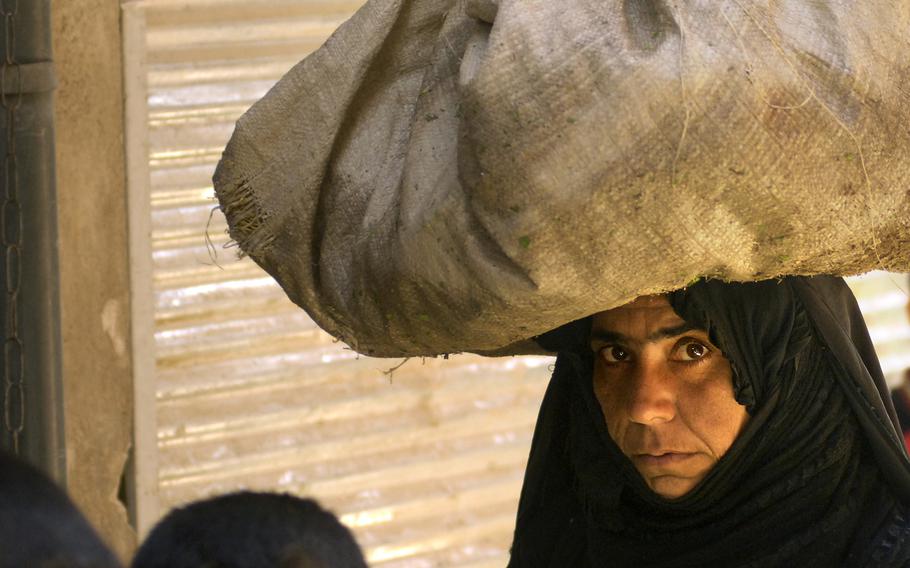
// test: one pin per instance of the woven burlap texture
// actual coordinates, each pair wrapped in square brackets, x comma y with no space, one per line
[446,176]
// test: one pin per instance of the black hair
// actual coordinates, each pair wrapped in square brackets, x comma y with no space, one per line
[250,530]
[40,527]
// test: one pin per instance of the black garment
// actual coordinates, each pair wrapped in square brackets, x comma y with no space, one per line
[818,477]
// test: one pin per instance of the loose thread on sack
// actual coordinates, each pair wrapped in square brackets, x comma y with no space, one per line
[391,372]
[684,94]
[246,219]
[209,243]
[859,148]
[749,59]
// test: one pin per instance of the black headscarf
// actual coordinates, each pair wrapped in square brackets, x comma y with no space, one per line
[818,477]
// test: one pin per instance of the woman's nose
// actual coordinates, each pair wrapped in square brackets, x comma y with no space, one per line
[652,399]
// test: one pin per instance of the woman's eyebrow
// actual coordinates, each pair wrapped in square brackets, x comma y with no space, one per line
[610,336]
[672,331]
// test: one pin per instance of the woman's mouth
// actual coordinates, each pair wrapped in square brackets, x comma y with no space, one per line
[662,458]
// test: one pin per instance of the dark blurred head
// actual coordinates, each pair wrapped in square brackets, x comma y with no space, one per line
[39,525]
[250,530]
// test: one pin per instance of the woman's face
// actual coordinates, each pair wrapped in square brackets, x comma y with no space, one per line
[666,393]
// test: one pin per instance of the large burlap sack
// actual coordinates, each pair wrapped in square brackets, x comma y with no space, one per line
[429,183]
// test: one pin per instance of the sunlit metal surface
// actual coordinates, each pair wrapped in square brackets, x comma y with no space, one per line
[424,463]
[883,299]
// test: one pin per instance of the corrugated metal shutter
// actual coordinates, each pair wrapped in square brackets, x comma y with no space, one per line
[883,299]
[425,463]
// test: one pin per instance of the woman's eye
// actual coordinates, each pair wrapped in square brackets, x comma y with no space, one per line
[693,351]
[614,354]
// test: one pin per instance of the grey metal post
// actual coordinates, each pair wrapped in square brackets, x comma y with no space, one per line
[32,386]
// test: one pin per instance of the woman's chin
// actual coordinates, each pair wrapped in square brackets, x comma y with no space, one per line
[671,487]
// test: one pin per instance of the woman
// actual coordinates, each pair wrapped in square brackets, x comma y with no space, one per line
[720,425]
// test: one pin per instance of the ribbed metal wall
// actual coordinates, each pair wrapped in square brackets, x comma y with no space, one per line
[424,463]
[883,299]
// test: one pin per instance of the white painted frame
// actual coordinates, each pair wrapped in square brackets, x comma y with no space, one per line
[143,473]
